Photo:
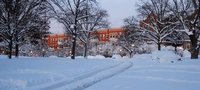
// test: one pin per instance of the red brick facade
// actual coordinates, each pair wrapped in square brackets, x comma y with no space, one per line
[103,36]
[53,40]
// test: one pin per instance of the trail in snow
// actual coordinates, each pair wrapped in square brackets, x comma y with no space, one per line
[88,79]
[79,77]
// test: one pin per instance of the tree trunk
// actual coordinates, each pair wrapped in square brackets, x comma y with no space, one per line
[194,47]
[10,48]
[16,50]
[74,47]
[16,44]
[175,48]
[194,54]
[130,53]
[159,46]
[85,50]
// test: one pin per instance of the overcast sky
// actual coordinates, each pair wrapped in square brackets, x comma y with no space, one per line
[117,10]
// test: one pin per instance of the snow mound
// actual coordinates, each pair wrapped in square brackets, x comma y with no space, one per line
[116,57]
[79,57]
[186,53]
[164,56]
[53,56]
[96,57]
[4,84]
[142,56]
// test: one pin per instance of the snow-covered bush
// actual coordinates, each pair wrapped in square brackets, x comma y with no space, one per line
[147,48]
[96,57]
[186,53]
[168,48]
[116,57]
[179,51]
[165,56]
[79,57]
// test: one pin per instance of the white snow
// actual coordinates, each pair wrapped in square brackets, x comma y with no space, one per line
[96,57]
[147,74]
[164,56]
[116,57]
[35,73]
[154,71]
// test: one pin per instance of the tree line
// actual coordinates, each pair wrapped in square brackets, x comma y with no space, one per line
[170,20]
[27,21]
[22,21]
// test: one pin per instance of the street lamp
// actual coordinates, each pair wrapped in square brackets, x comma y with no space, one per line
[72,26]
[59,44]
[132,45]
[43,52]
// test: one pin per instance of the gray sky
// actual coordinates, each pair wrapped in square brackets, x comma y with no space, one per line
[117,10]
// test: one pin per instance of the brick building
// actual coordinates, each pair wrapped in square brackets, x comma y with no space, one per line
[103,37]
[107,34]
[55,39]
[151,18]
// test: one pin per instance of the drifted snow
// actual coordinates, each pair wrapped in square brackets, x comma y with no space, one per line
[40,73]
[164,56]
[147,74]
[142,72]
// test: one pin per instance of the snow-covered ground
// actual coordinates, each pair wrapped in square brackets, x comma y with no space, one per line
[56,73]
[143,72]
[147,74]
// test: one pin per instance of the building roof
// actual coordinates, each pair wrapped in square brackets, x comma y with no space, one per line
[110,30]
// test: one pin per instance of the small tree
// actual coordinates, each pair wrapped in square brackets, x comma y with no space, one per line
[16,17]
[70,13]
[188,14]
[131,38]
[96,20]
[159,22]
[176,39]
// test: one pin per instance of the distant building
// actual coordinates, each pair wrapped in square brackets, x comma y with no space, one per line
[149,19]
[103,36]
[55,39]
[107,34]
[185,43]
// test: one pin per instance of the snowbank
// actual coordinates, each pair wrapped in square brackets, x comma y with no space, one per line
[96,57]
[186,53]
[34,73]
[149,75]
[165,56]
[116,57]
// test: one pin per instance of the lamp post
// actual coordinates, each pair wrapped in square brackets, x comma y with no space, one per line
[43,52]
[59,47]
[59,43]
[74,34]
[132,50]
[132,45]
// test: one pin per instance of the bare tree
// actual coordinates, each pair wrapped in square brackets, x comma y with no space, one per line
[34,27]
[131,38]
[70,13]
[15,19]
[159,22]
[188,15]
[96,20]
[176,39]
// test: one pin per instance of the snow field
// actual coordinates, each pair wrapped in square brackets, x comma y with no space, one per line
[148,74]
[37,73]
[97,77]
[154,71]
